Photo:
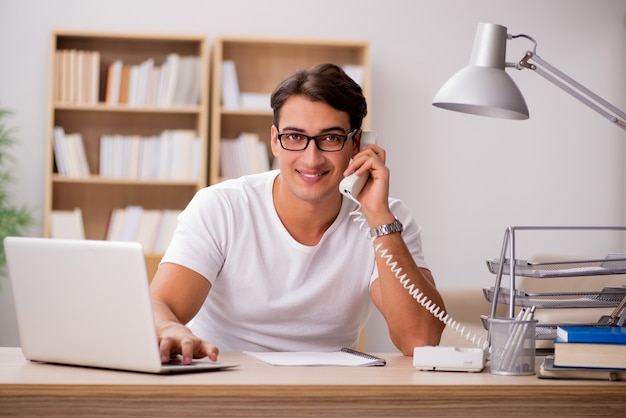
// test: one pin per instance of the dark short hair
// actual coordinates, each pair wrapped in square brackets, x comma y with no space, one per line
[325,83]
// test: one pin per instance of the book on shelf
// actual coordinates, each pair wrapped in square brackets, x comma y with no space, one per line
[589,354]
[77,75]
[70,76]
[227,158]
[181,164]
[171,155]
[231,95]
[143,82]
[59,74]
[152,228]
[70,146]
[177,81]
[243,155]
[248,152]
[591,334]
[113,81]
[92,81]
[194,91]
[67,224]
[133,85]
[187,89]
[58,134]
[124,84]
[168,80]
[152,87]
[165,230]
[132,218]
[548,370]
[78,148]
[116,221]
[148,228]
[69,153]
[148,157]
[255,101]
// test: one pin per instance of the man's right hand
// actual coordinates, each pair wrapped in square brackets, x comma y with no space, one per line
[175,338]
[177,295]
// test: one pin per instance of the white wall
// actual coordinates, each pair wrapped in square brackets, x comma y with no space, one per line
[465,177]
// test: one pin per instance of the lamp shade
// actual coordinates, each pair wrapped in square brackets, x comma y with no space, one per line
[483,87]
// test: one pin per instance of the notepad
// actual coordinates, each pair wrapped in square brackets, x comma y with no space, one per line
[345,357]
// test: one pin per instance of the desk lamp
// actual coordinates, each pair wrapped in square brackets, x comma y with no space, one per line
[484,88]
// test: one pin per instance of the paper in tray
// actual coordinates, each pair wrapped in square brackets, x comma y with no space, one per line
[612,264]
[609,296]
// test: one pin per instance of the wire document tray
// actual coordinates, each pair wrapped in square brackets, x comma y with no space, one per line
[607,297]
[612,264]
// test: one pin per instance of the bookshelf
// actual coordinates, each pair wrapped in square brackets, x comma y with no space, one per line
[260,64]
[80,101]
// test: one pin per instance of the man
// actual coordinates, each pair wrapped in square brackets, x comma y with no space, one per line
[274,261]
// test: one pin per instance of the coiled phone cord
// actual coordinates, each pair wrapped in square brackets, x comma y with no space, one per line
[413,290]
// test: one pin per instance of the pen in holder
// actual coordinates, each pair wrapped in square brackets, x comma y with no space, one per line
[513,344]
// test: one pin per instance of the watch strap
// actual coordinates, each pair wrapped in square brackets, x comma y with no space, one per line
[380,231]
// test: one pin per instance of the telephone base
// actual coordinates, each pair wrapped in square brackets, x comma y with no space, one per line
[453,359]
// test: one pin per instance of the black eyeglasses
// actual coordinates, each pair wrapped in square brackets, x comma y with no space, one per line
[324,142]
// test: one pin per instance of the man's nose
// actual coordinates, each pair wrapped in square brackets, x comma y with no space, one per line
[311,152]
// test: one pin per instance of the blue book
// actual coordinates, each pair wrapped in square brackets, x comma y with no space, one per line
[591,334]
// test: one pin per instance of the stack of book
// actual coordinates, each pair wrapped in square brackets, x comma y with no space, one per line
[243,155]
[587,352]
[172,155]
[76,76]
[152,228]
[175,82]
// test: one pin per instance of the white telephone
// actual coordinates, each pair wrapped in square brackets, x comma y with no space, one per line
[351,185]
[424,358]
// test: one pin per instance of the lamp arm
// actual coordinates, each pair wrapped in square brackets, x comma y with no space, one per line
[573,88]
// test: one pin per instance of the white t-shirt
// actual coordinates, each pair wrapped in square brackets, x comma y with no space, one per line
[269,292]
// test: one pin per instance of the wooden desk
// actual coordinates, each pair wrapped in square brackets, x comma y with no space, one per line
[256,389]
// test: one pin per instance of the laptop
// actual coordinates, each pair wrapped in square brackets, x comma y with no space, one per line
[87,303]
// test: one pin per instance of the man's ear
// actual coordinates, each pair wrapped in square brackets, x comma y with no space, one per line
[274,140]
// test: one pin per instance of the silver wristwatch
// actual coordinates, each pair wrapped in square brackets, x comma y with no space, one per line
[383,230]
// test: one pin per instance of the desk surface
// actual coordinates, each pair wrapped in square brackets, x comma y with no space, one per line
[258,389]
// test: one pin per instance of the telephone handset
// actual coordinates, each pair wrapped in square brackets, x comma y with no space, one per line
[351,185]
[425,358]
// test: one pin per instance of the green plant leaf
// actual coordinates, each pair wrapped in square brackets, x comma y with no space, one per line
[14,220]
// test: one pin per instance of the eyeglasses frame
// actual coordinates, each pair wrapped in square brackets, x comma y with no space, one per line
[315,139]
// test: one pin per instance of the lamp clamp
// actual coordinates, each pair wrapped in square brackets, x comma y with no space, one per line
[524,62]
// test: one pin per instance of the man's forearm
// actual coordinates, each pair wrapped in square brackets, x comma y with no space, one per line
[410,324]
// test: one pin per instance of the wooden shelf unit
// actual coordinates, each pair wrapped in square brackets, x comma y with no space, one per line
[262,63]
[97,196]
